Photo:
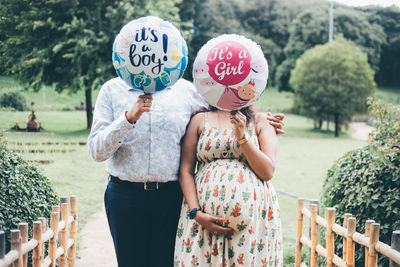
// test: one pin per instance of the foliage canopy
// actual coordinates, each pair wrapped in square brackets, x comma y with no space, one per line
[68,43]
[310,28]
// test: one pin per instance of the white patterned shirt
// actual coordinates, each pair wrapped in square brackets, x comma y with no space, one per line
[150,150]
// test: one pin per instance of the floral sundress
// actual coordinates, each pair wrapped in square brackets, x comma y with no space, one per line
[227,187]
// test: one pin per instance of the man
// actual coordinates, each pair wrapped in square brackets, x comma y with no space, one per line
[139,138]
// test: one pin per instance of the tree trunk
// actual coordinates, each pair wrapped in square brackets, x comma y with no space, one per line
[337,126]
[89,113]
[320,123]
[327,122]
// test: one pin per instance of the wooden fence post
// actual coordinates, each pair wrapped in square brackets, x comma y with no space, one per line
[64,200]
[314,235]
[2,244]
[55,208]
[54,217]
[73,229]
[374,238]
[15,236]
[395,245]
[37,235]
[329,239]
[43,220]
[367,234]
[64,234]
[350,243]
[300,205]
[23,227]
[346,217]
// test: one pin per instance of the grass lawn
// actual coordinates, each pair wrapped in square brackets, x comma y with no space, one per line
[70,168]
[302,165]
[46,99]
[389,95]
[275,101]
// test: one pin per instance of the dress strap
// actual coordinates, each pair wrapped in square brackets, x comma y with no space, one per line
[206,124]
[252,128]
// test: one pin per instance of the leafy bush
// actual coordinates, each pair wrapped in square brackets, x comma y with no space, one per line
[25,193]
[366,182]
[13,100]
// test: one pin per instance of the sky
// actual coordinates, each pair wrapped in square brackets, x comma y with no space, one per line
[369,2]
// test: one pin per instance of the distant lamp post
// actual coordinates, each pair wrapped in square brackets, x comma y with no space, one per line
[330,21]
[330,41]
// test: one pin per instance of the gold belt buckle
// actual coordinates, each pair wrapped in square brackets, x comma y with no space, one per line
[150,189]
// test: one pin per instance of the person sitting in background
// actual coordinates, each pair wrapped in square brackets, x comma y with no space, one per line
[31,124]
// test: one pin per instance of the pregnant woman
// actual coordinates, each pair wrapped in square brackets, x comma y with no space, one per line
[230,215]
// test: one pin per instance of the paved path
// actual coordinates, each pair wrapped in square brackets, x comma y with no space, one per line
[361,130]
[96,245]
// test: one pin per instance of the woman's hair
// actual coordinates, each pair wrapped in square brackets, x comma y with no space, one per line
[247,111]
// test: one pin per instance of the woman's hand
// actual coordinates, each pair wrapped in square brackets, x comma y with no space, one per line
[239,122]
[209,222]
[276,121]
[142,104]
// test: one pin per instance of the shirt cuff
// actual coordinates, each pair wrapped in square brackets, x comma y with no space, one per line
[126,117]
[124,127]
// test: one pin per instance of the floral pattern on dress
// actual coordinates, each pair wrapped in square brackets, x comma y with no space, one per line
[227,187]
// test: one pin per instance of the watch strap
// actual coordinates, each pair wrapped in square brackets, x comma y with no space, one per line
[243,140]
[192,213]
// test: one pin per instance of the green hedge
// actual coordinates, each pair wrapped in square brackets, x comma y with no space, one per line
[13,100]
[366,182]
[25,193]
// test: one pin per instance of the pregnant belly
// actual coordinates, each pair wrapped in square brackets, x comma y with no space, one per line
[230,190]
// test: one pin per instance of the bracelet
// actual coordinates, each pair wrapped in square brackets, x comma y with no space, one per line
[244,139]
[126,117]
[192,213]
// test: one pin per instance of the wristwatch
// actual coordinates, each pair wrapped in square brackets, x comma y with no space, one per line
[244,139]
[192,213]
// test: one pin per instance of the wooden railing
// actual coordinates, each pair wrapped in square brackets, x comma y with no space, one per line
[63,250]
[370,239]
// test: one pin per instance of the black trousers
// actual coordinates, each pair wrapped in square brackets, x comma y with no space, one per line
[143,224]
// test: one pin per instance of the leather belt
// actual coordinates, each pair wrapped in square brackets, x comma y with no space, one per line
[147,186]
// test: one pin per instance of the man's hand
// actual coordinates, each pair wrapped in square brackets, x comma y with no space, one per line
[143,104]
[276,121]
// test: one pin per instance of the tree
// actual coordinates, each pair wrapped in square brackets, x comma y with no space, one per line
[264,21]
[311,28]
[333,80]
[67,43]
[209,19]
[389,65]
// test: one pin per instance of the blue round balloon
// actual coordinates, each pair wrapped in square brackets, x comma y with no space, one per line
[149,54]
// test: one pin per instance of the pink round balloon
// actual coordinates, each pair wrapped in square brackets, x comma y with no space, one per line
[229,63]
